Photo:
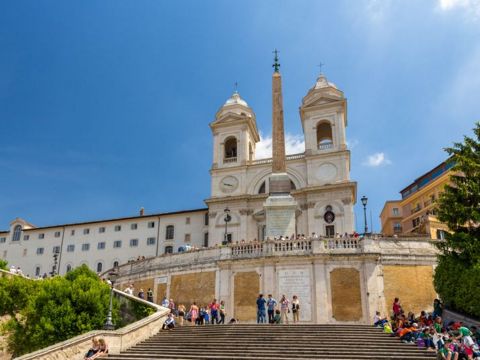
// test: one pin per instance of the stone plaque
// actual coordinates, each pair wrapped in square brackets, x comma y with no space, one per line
[280,216]
[297,282]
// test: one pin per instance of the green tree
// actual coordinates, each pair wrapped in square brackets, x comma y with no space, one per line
[3,264]
[458,272]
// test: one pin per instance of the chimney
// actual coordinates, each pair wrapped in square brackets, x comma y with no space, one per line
[142,211]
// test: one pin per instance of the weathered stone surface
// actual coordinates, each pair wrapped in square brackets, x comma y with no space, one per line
[412,284]
[297,282]
[161,292]
[280,216]
[346,296]
[246,290]
[198,287]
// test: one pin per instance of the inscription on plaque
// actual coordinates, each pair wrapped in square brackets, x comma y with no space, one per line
[297,282]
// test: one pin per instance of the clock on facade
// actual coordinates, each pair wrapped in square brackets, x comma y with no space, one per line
[229,184]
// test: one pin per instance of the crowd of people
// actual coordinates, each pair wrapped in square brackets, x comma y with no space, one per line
[451,341]
[277,312]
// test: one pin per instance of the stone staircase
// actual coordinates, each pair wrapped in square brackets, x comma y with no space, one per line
[262,342]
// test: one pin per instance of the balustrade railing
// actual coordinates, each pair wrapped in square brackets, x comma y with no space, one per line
[269,160]
[342,243]
[325,146]
[230,160]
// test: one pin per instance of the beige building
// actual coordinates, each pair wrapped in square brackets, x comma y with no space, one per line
[415,212]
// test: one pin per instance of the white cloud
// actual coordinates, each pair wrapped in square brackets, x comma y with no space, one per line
[377,159]
[351,144]
[294,144]
[471,7]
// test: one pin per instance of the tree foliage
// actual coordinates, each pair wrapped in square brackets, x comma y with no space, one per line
[3,264]
[458,272]
[52,310]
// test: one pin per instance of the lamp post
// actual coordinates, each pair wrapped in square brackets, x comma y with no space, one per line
[109,323]
[227,219]
[55,262]
[364,200]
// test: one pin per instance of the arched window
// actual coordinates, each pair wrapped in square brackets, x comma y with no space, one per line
[37,270]
[231,148]
[17,232]
[99,267]
[168,249]
[324,135]
[170,232]
[262,188]
[69,268]
[115,264]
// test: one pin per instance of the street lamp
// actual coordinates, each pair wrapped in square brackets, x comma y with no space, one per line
[55,262]
[109,324]
[227,219]
[364,200]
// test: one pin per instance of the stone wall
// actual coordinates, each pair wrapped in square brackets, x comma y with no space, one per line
[246,288]
[198,287]
[346,295]
[412,284]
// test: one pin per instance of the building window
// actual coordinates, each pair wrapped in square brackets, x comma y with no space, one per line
[57,234]
[41,236]
[17,232]
[72,233]
[133,242]
[440,234]
[117,244]
[101,230]
[118,227]
[101,245]
[170,232]
[134,226]
[151,224]
[205,220]
[330,230]
[69,268]
[86,231]
[56,249]
[187,220]
[151,241]
[115,264]
[85,247]
[40,251]
[324,135]
[70,248]
[37,270]
[395,212]
[26,237]
[397,228]
[2,240]
[187,237]
[99,267]
[168,249]
[205,239]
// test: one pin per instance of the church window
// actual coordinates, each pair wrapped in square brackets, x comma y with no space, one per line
[99,267]
[231,149]
[170,232]
[206,219]
[168,249]
[324,135]
[262,188]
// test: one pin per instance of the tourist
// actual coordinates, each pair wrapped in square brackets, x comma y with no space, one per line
[169,324]
[284,303]
[165,302]
[261,309]
[277,319]
[397,308]
[465,335]
[437,308]
[271,304]
[150,295]
[378,320]
[102,349]
[128,290]
[222,312]
[93,350]
[296,309]
[193,313]
[213,307]
[181,313]
[141,294]
[171,306]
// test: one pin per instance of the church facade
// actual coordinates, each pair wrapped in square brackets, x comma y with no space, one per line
[320,183]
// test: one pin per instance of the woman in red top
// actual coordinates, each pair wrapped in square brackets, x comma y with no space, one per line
[397,308]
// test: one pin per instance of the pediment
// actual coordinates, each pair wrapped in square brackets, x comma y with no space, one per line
[321,99]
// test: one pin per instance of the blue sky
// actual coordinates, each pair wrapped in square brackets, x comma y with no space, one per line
[105,105]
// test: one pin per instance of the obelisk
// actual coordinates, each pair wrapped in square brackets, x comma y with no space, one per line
[280,206]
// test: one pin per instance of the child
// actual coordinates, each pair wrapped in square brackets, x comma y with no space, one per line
[378,321]
[277,318]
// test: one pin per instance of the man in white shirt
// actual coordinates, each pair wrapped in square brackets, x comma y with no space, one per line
[169,324]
